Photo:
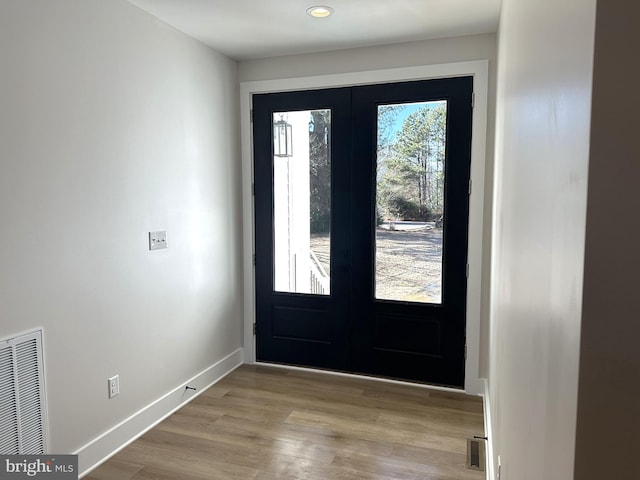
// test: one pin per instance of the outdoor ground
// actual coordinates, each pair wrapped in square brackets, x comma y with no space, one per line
[408,261]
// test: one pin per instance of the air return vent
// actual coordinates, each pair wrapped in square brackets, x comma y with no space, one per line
[475,454]
[22,412]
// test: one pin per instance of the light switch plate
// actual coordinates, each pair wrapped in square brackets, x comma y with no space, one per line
[158,240]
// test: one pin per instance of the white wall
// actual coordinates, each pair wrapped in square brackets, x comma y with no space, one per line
[609,388]
[428,52]
[412,54]
[112,125]
[545,61]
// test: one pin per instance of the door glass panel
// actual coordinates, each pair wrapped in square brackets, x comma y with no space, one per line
[410,201]
[302,201]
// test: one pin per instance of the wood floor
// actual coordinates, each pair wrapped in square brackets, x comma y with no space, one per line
[268,423]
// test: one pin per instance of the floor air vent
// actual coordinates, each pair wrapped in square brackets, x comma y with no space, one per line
[475,454]
[22,412]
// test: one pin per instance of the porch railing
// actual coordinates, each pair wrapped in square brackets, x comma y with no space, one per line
[320,284]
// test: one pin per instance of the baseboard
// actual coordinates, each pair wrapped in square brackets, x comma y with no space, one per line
[488,431]
[115,439]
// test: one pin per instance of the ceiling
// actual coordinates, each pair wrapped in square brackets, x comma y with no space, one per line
[250,29]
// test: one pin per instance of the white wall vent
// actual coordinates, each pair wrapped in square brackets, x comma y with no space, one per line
[22,397]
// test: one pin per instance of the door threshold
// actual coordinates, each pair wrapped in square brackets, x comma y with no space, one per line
[362,376]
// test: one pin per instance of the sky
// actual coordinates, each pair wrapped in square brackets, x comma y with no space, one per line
[408,109]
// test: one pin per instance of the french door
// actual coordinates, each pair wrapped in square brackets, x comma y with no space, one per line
[361,215]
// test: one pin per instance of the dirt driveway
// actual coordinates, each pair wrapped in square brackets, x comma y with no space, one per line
[408,263]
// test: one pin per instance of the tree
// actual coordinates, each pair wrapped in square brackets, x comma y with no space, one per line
[320,174]
[387,195]
[411,167]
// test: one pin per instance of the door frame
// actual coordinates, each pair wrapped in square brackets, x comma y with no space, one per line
[479,69]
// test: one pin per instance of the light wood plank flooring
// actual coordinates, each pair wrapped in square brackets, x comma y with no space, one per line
[268,423]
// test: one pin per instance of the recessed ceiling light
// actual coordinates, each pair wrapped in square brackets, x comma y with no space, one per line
[320,11]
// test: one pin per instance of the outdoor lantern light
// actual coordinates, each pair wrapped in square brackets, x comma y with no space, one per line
[282,144]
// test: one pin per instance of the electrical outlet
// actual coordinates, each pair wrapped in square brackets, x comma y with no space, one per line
[114,386]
